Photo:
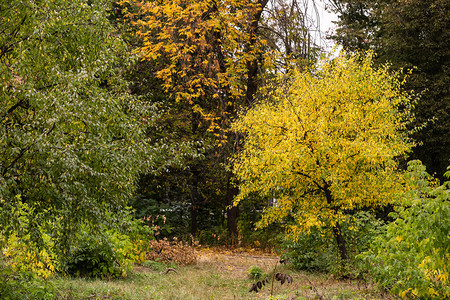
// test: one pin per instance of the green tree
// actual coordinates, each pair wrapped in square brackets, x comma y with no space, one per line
[357,25]
[71,137]
[410,34]
[324,145]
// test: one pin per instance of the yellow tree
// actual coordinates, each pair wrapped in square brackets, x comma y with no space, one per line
[204,52]
[209,59]
[206,56]
[210,54]
[325,143]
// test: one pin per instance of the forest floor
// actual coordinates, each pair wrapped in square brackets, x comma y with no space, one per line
[216,275]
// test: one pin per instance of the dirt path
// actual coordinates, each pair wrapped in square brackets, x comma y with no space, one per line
[237,263]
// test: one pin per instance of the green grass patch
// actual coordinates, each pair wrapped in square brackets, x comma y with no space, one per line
[208,280]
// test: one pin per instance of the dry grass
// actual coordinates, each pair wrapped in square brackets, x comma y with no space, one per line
[215,276]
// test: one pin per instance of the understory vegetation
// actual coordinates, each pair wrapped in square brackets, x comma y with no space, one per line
[406,255]
[181,149]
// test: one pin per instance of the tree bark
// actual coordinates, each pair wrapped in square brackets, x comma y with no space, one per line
[232,211]
[194,181]
[252,65]
[195,200]
[340,241]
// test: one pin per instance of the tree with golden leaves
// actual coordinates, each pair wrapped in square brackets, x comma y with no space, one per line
[203,51]
[325,143]
[209,58]
[206,56]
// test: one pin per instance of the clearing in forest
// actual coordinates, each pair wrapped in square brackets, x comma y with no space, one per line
[218,274]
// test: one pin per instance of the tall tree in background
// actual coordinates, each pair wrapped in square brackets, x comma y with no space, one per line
[409,34]
[209,59]
[203,54]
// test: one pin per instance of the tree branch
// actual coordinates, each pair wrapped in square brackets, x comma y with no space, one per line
[21,103]
[15,160]
[322,188]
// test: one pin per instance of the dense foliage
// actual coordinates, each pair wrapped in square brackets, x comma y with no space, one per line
[324,145]
[412,257]
[412,35]
[71,137]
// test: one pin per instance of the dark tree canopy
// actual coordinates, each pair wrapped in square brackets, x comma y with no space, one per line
[409,34]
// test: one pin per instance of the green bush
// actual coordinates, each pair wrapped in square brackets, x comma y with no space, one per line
[412,258]
[23,285]
[255,272]
[100,254]
[317,250]
[111,251]
[310,252]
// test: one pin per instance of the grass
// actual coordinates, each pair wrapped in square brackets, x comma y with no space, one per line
[191,282]
[215,276]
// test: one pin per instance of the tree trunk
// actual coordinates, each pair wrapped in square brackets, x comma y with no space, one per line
[232,211]
[194,180]
[195,195]
[252,65]
[340,241]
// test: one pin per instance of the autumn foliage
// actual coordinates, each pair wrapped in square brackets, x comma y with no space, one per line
[324,144]
[201,50]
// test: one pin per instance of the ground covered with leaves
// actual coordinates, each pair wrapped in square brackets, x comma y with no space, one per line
[217,274]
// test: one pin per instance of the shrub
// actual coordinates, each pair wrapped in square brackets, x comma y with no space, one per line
[111,252]
[412,258]
[310,252]
[317,250]
[99,255]
[255,272]
[25,256]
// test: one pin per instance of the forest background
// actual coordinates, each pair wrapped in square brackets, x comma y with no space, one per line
[132,120]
